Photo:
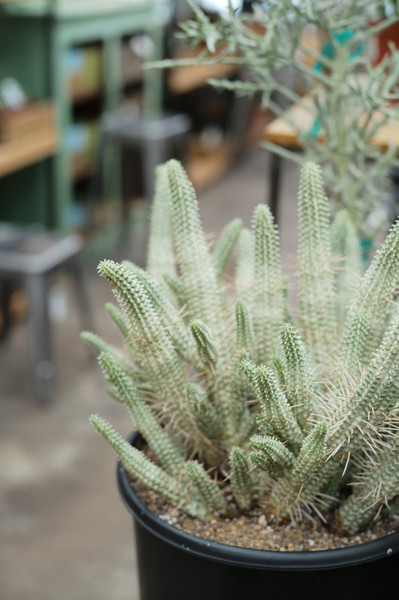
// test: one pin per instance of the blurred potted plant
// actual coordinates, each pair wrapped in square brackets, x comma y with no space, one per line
[348,97]
[256,414]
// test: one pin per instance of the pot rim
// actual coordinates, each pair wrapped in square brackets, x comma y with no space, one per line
[249,557]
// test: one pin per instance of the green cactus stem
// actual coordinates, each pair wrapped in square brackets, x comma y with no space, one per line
[149,474]
[240,479]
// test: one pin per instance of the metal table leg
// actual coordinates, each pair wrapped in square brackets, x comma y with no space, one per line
[274,183]
[39,337]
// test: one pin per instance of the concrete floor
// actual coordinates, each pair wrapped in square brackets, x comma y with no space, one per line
[64,533]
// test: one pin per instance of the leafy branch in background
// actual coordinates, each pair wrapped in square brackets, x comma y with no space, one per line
[347,96]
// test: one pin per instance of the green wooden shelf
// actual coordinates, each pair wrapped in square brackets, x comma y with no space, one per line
[34,39]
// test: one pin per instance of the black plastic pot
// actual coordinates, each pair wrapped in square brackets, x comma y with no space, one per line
[175,565]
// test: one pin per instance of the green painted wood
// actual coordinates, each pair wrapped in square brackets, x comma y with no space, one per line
[22,47]
[33,44]
[25,198]
[112,72]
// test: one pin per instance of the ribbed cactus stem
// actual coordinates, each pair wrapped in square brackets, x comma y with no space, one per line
[279,367]
[271,455]
[297,372]
[379,484]
[374,296]
[153,343]
[207,487]
[160,255]
[246,428]
[101,346]
[356,341]
[240,478]
[197,270]
[317,298]
[243,420]
[121,323]
[313,452]
[292,493]
[113,393]
[203,293]
[203,413]
[239,408]
[167,313]
[205,346]
[177,289]
[365,410]
[268,291]
[245,267]
[156,437]
[117,318]
[225,246]
[345,246]
[244,331]
[275,407]
[150,475]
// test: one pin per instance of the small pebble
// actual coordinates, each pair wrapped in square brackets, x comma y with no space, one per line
[262,521]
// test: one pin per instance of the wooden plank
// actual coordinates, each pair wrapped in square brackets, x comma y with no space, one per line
[186,79]
[32,118]
[26,150]
[281,131]
[204,168]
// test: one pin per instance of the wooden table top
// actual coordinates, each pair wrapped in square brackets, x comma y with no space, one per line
[279,131]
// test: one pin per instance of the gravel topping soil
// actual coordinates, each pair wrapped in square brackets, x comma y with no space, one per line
[260,528]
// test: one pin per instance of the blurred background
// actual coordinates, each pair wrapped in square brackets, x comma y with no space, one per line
[82,126]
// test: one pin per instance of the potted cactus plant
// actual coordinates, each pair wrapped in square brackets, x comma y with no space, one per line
[258,406]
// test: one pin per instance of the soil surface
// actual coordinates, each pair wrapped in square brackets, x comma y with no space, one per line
[260,529]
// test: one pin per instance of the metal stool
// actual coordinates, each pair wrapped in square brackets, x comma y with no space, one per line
[158,138]
[30,257]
